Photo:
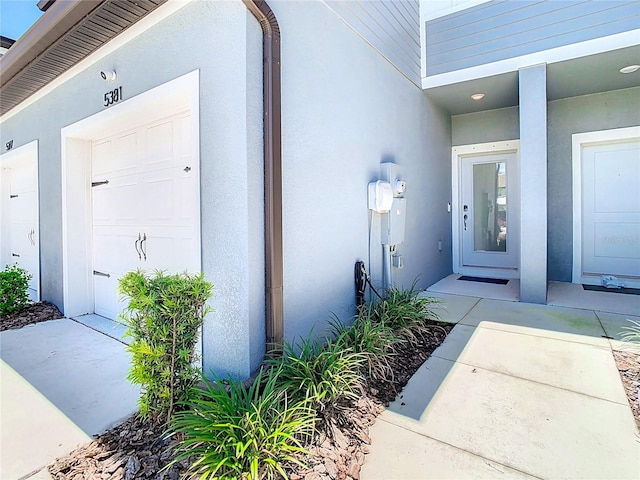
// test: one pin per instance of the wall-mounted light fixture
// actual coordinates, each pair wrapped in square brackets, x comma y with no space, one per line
[477,96]
[108,75]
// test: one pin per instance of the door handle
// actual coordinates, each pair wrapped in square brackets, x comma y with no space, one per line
[144,239]
[136,245]
[465,220]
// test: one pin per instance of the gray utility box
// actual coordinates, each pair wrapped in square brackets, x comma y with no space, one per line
[393,222]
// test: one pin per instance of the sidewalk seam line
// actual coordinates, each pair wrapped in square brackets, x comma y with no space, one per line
[459,448]
[529,380]
[99,331]
[542,336]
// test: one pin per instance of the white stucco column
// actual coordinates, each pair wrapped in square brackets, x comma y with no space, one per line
[533,184]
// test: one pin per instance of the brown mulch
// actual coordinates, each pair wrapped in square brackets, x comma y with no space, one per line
[629,367]
[32,313]
[133,450]
[137,450]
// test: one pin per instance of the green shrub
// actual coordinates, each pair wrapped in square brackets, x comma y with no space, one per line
[14,285]
[372,340]
[242,432]
[631,333]
[320,374]
[405,312]
[163,317]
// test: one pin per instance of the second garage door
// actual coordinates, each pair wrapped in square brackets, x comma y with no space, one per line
[146,206]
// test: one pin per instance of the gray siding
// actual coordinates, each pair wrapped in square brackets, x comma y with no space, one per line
[503,29]
[392,27]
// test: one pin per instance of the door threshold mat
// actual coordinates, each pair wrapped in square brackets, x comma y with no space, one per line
[497,281]
[600,288]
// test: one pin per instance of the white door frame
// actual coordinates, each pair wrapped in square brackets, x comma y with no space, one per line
[578,141]
[458,153]
[24,153]
[172,97]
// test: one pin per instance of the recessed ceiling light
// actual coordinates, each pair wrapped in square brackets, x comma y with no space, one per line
[477,96]
[630,69]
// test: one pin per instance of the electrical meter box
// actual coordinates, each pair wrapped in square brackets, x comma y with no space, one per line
[393,222]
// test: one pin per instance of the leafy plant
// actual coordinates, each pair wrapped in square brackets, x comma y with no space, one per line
[163,317]
[631,333]
[405,312]
[243,432]
[14,285]
[372,340]
[322,374]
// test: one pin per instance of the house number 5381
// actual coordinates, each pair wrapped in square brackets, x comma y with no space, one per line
[113,96]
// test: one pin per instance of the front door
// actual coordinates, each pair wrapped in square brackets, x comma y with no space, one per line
[488,215]
[611,212]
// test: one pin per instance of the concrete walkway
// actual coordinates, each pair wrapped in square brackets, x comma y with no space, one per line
[516,391]
[60,383]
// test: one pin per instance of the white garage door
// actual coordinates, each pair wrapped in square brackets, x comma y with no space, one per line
[23,228]
[146,206]
[611,211]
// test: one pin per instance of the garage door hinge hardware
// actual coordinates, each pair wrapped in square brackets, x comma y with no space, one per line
[97,184]
[13,196]
[101,274]
[15,255]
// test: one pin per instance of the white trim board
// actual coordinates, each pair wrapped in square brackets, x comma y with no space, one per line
[25,153]
[181,94]
[579,140]
[554,55]
[457,153]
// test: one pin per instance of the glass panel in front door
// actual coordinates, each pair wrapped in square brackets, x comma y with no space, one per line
[490,207]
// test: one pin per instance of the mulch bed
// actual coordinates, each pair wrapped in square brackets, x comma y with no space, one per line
[32,313]
[629,367]
[137,449]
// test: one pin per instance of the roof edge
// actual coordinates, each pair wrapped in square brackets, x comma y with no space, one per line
[56,21]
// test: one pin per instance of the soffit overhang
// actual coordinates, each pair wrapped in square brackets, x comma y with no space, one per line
[68,32]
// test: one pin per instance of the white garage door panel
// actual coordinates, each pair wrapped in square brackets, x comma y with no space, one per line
[23,179]
[611,209]
[107,300]
[23,236]
[160,146]
[171,249]
[116,203]
[176,196]
[147,217]
[23,207]
[114,249]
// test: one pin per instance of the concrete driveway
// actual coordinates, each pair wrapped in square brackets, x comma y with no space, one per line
[516,391]
[60,383]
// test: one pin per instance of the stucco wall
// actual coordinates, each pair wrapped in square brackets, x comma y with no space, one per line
[228,39]
[345,110]
[588,113]
[603,111]
[488,126]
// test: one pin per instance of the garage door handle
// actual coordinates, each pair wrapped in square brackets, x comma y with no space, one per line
[144,253]
[136,245]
